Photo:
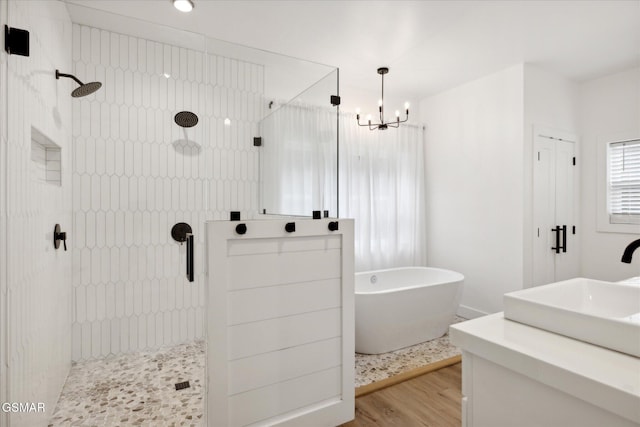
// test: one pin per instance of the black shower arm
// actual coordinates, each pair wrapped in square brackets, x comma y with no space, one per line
[59,74]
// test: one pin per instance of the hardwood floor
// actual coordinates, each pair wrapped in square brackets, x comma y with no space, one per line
[431,400]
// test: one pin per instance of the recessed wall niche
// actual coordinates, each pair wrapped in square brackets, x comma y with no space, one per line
[45,158]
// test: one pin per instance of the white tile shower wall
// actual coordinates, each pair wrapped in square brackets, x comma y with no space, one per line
[38,277]
[136,173]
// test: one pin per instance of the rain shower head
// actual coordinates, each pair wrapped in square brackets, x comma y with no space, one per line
[186,119]
[84,89]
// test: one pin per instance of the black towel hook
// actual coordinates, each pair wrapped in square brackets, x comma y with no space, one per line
[241,228]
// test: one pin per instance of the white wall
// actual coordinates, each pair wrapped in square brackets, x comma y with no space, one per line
[479,174]
[135,175]
[38,305]
[609,106]
[474,177]
[550,100]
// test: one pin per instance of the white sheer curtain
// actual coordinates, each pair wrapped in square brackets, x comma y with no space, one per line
[382,188]
[298,160]
[381,180]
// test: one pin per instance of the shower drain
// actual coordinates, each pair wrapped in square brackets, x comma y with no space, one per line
[183,385]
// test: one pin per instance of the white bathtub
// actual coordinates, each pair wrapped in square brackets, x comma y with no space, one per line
[399,307]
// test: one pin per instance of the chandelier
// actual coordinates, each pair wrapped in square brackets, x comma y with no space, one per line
[383,125]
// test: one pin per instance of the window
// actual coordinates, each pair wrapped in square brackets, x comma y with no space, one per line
[623,182]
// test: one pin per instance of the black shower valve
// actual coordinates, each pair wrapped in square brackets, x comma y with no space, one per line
[58,236]
[290,227]
[181,232]
[333,226]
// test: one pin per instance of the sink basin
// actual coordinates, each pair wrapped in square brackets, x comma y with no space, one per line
[601,313]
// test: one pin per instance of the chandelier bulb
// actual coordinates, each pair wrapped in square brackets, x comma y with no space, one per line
[397,113]
[406,105]
[379,102]
[369,117]
[357,110]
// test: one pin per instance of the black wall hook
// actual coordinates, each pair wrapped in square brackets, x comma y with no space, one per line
[290,227]
[241,228]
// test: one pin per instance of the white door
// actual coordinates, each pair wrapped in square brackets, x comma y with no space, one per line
[555,251]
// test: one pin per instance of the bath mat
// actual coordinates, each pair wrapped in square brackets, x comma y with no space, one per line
[371,368]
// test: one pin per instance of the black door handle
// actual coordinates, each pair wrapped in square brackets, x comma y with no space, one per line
[556,230]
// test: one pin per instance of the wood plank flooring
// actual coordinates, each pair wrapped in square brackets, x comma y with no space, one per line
[431,400]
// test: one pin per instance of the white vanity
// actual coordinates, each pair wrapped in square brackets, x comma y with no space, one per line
[515,374]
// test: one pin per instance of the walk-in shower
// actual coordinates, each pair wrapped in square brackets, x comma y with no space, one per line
[168,137]
[84,89]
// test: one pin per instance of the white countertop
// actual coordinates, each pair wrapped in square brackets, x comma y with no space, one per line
[602,377]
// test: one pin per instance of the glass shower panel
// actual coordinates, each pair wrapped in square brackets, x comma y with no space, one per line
[281,115]
[3,221]
[36,195]
[298,161]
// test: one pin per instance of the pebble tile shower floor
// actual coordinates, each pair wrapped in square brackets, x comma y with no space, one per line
[138,389]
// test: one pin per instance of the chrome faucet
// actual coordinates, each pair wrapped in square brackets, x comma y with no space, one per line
[628,252]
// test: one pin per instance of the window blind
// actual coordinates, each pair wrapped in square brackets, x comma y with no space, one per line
[624,182]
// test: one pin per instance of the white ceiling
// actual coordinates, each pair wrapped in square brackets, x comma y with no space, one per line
[429,46]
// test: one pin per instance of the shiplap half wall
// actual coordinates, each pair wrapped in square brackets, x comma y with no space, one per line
[136,173]
[281,323]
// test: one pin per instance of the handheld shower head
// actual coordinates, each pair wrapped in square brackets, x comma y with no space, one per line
[84,89]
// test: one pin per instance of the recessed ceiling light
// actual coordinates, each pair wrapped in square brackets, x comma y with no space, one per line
[183,5]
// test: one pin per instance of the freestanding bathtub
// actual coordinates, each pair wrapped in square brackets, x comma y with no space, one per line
[399,307]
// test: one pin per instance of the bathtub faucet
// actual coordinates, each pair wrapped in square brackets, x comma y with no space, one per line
[628,252]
